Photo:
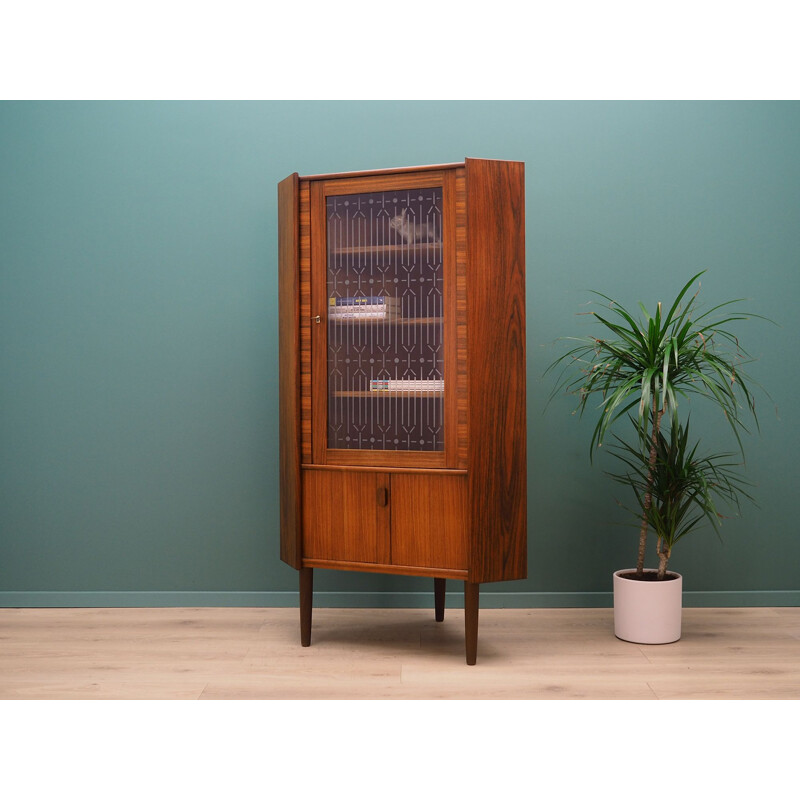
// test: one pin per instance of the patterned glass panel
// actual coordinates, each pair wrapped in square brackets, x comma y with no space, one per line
[385,320]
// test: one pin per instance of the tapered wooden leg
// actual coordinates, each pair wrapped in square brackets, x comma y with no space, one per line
[306,603]
[438,595]
[471,620]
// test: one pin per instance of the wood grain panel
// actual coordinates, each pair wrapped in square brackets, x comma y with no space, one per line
[382,183]
[429,521]
[388,569]
[496,339]
[386,458]
[319,333]
[409,470]
[450,341]
[288,370]
[305,321]
[342,518]
[462,409]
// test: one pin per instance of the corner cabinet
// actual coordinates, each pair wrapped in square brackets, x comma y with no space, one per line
[402,376]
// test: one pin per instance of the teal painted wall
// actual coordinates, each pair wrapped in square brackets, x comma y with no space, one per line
[138,316]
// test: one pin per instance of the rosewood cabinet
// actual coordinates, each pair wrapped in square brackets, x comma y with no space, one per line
[402,376]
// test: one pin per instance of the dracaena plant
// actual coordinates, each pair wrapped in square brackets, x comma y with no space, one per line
[684,485]
[645,364]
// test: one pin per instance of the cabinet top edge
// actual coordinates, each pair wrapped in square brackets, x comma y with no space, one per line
[395,170]
[386,171]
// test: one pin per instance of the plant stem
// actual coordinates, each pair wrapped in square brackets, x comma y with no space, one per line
[663,558]
[648,496]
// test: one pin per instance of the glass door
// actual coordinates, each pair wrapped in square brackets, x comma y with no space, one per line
[385,288]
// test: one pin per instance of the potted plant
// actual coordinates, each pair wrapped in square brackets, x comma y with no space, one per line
[640,369]
[684,487]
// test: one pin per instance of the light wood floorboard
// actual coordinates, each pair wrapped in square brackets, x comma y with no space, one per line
[255,653]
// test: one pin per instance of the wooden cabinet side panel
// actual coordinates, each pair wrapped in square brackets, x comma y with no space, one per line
[344,516]
[496,343]
[288,370]
[461,370]
[305,321]
[429,520]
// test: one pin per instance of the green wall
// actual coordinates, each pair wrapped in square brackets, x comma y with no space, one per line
[138,319]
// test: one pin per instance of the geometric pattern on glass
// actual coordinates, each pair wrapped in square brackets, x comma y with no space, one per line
[385,320]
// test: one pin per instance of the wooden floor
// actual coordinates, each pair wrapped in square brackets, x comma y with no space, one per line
[254,653]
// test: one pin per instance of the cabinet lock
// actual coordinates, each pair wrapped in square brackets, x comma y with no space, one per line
[317,319]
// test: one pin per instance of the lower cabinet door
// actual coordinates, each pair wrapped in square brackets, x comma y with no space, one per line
[346,516]
[429,520]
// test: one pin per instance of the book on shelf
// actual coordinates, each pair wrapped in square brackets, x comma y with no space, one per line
[384,385]
[364,307]
[383,300]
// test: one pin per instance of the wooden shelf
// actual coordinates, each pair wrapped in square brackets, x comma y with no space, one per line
[392,248]
[419,393]
[392,320]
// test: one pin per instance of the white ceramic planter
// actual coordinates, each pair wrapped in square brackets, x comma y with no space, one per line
[648,612]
